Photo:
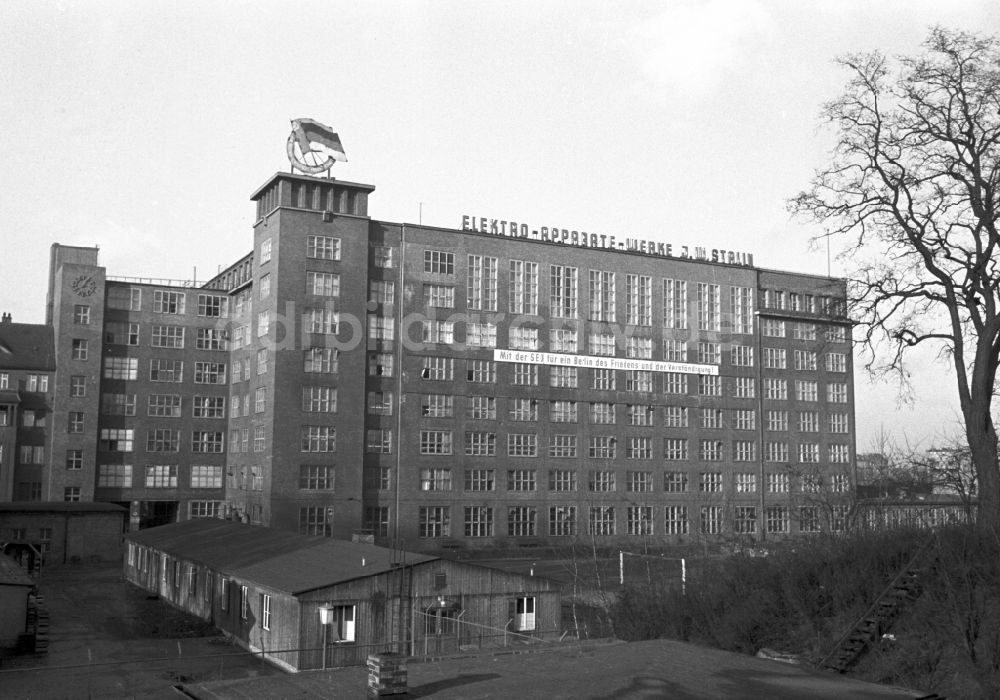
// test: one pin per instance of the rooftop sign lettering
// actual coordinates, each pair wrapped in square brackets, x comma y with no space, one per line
[584,239]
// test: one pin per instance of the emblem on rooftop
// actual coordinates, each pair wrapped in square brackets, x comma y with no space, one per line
[313,147]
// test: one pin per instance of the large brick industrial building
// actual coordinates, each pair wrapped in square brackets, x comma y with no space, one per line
[449,388]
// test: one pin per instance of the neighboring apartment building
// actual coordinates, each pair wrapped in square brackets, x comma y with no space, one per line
[454,388]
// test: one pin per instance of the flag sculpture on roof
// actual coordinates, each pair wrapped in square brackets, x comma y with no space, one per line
[313,147]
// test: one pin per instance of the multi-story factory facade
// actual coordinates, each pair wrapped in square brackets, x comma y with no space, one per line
[453,388]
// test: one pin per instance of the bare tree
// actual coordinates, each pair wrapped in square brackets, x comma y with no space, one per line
[913,191]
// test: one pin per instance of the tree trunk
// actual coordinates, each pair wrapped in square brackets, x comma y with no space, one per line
[982,438]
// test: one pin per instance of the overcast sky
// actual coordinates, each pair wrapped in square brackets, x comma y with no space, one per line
[144,127]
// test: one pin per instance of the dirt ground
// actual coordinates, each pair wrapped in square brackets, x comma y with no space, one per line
[109,639]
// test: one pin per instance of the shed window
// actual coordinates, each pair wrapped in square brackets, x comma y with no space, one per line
[224,597]
[522,611]
[265,611]
[440,580]
[244,602]
[343,623]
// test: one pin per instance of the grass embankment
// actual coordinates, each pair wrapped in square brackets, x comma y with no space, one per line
[805,594]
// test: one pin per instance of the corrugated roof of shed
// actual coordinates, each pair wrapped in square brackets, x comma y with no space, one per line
[277,559]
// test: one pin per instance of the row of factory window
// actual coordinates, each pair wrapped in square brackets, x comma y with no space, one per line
[163,301]
[638,520]
[561,411]
[782,299]
[165,336]
[484,444]
[161,440]
[164,370]
[35,383]
[527,374]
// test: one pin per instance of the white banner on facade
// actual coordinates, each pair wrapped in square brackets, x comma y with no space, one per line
[600,362]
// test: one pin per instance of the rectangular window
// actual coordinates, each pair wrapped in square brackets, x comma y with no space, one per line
[523,287]
[562,446]
[775,358]
[116,333]
[711,418]
[602,344]
[439,296]
[744,419]
[125,298]
[521,480]
[741,355]
[319,399]
[745,388]
[746,482]
[838,422]
[711,482]
[80,349]
[522,445]
[118,476]
[804,331]
[775,389]
[709,353]
[166,371]
[676,520]
[639,300]
[806,390]
[210,339]
[75,422]
[772,328]
[438,369]
[481,283]
[563,411]
[602,520]
[434,521]
[480,444]
[675,350]
[265,611]
[521,338]
[563,377]
[481,408]
[478,521]
[162,440]
[778,483]
[836,392]
[481,371]
[523,409]
[206,476]
[562,521]
[164,405]
[207,441]
[709,303]
[675,449]
[316,477]
[521,521]
[381,291]
[321,321]
[380,403]
[480,480]
[603,379]
[601,481]
[317,438]
[640,448]
[675,416]
[639,414]
[165,302]
[74,459]
[709,385]
[805,360]
[116,440]
[382,257]
[316,520]
[640,482]
[562,480]
[435,442]
[321,361]
[481,335]
[638,380]
[776,519]
[675,383]
[602,296]
[377,520]
[744,451]
[439,262]
[435,479]
[741,301]
[323,247]
[208,406]
[711,520]
[118,404]
[745,520]
[437,406]
[161,476]
[525,374]
[777,420]
[639,520]
[674,304]
[564,340]
[601,447]
[563,291]
[213,306]
[809,421]
[776,452]
[209,372]
[602,413]
[438,331]
[836,362]
[70,493]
